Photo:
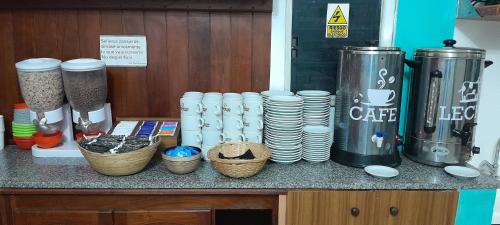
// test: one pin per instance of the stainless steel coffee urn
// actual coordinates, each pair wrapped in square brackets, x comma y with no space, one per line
[368,102]
[442,106]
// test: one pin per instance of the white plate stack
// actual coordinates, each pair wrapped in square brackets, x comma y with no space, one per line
[283,133]
[316,143]
[267,94]
[316,107]
[265,98]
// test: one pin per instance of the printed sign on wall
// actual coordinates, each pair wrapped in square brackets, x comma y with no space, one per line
[337,20]
[126,51]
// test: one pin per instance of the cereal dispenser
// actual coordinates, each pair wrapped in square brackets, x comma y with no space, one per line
[86,88]
[42,89]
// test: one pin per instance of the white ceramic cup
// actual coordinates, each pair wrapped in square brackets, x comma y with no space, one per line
[231,136]
[211,137]
[212,95]
[253,123]
[252,136]
[253,107]
[211,122]
[191,106]
[232,107]
[191,138]
[232,123]
[212,107]
[231,95]
[2,123]
[250,95]
[191,123]
[194,94]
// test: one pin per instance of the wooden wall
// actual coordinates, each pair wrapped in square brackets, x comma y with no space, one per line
[187,51]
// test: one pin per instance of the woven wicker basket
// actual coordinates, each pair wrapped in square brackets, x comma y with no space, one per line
[120,164]
[182,165]
[239,168]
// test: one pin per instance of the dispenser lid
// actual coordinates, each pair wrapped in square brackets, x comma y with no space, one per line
[38,64]
[450,51]
[83,64]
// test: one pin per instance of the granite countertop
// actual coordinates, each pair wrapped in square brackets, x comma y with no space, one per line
[19,169]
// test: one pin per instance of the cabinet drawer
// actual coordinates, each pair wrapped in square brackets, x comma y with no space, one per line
[62,217]
[371,207]
[163,217]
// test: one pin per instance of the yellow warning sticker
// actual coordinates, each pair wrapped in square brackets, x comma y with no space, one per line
[337,17]
[337,20]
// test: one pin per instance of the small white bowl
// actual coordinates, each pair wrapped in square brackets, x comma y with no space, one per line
[462,172]
[381,171]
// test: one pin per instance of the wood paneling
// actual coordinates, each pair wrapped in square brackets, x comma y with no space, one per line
[144,208]
[241,54]
[220,48]
[140,202]
[9,89]
[334,207]
[151,192]
[214,5]
[203,50]
[177,56]
[4,210]
[58,217]
[163,217]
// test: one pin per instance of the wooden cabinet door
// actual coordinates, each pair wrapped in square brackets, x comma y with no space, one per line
[163,217]
[416,207]
[62,217]
[330,207]
[371,207]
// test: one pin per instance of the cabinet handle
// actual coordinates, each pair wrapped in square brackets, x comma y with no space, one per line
[394,211]
[355,212]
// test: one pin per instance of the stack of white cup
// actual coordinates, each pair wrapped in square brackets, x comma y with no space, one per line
[212,118]
[232,118]
[253,117]
[2,133]
[191,120]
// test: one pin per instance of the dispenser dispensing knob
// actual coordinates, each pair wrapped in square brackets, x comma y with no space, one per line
[475,150]
[449,43]
[378,138]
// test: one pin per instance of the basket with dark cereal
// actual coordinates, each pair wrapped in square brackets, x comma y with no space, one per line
[118,155]
[239,160]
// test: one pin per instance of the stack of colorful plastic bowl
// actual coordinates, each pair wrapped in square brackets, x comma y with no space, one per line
[22,127]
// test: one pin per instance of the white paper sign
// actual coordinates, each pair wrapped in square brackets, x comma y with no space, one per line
[126,51]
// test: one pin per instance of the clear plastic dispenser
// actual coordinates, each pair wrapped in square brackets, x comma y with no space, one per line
[86,88]
[42,89]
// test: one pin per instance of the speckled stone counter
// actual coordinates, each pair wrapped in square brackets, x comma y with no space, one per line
[19,169]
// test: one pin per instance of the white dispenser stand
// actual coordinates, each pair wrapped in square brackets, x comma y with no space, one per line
[69,147]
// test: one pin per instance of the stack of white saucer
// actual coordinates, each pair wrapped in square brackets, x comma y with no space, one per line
[316,143]
[316,107]
[265,97]
[283,133]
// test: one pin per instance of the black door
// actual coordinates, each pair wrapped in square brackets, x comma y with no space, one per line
[314,57]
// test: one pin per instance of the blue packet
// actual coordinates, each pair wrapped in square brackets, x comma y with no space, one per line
[181,151]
